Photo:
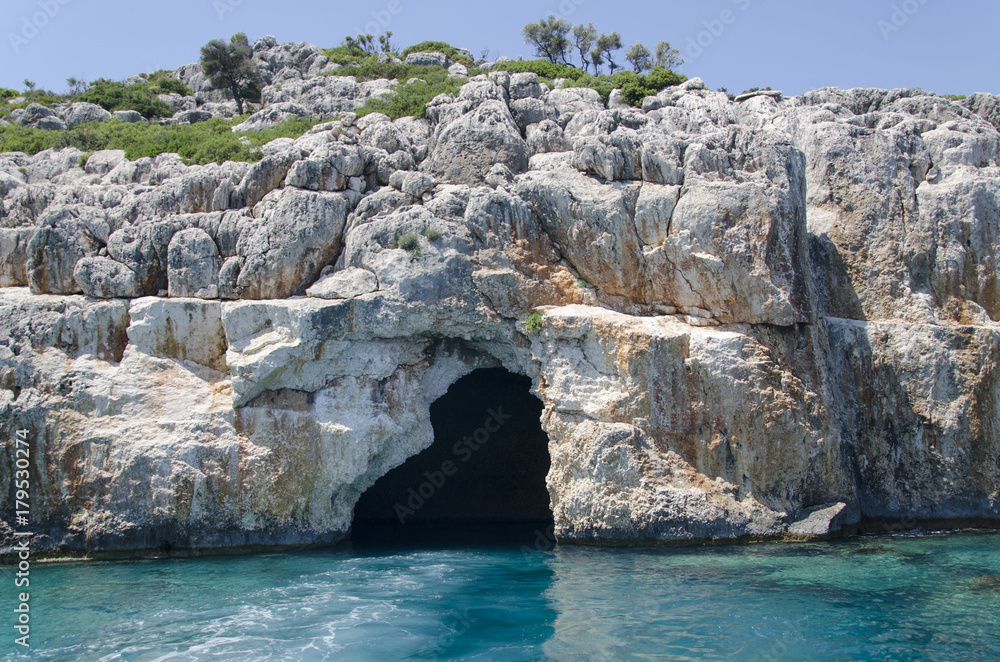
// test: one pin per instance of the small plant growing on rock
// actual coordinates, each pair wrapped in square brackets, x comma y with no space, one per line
[410,243]
[432,234]
[533,324]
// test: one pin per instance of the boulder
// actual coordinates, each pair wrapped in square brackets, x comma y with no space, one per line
[819,521]
[746,96]
[53,251]
[265,176]
[330,168]
[14,256]
[50,124]
[104,161]
[467,148]
[229,276]
[193,265]
[128,116]
[416,184]
[547,136]
[192,116]
[34,113]
[525,85]
[272,116]
[427,59]
[104,278]
[285,249]
[385,135]
[653,212]
[346,284]
[180,329]
[528,111]
[144,249]
[85,113]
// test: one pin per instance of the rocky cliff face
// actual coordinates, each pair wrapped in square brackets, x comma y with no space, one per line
[761,318]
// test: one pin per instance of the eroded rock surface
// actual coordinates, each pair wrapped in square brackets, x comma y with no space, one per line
[766,318]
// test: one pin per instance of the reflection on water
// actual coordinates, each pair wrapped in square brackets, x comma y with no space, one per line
[916,598]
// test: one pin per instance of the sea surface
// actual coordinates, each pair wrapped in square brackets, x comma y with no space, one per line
[930,597]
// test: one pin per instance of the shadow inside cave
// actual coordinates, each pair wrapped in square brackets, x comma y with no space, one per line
[482,481]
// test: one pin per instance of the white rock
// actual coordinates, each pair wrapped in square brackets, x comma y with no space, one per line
[345,284]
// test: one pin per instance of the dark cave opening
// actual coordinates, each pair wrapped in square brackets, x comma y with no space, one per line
[482,479]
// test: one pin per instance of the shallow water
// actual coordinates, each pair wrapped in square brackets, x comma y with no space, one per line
[918,598]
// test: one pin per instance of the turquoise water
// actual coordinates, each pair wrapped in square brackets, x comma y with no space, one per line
[918,598]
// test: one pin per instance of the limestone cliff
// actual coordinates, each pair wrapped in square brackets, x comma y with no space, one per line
[767,317]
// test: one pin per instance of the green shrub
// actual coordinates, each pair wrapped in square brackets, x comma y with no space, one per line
[533,324]
[543,68]
[352,50]
[408,99]
[141,97]
[411,99]
[47,99]
[17,138]
[359,48]
[171,86]
[436,47]
[955,97]
[410,243]
[432,234]
[345,54]
[6,93]
[635,87]
[370,68]
[212,141]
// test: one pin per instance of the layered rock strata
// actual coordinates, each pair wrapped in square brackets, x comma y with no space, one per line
[766,318]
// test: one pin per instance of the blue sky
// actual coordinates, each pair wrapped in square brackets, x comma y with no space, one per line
[791,45]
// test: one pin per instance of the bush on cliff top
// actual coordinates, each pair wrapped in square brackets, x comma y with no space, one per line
[437,47]
[112,95]
[41,97]
[206,142]
[543,68]
[410,99]
[635,87]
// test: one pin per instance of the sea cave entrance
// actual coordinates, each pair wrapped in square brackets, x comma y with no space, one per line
[483,478]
